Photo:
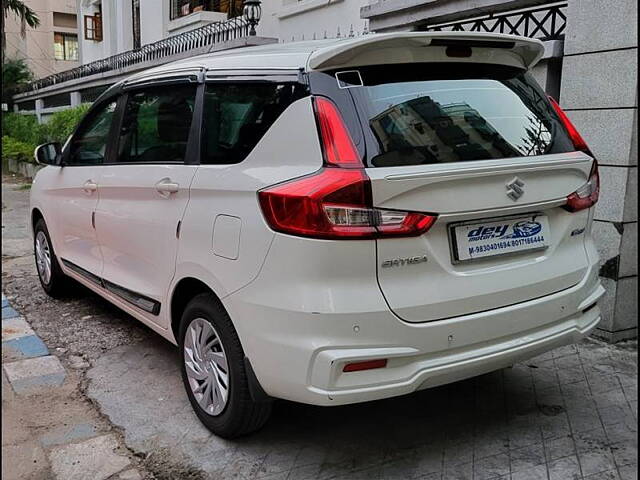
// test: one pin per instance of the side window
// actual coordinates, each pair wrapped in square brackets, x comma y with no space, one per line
[156,123]
[236,117]
[89,145]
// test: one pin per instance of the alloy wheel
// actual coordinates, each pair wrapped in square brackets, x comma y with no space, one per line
[43,257]
[206,366]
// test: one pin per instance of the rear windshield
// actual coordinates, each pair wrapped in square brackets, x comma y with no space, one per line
[445,112]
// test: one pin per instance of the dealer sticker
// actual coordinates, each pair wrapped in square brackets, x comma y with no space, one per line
[499,237]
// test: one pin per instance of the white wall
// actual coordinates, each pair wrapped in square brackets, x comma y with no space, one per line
[301,19]
[117,29]
[154,17]
[287,20]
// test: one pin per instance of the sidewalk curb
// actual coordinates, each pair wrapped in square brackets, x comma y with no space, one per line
[26,360]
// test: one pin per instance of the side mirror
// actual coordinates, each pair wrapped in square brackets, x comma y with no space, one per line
[48,153]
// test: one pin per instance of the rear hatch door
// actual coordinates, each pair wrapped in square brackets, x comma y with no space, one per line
[479,145]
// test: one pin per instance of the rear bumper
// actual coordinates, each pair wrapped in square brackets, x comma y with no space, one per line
[298,353]
[421,370]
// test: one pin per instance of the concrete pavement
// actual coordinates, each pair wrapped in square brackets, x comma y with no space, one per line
[48,429]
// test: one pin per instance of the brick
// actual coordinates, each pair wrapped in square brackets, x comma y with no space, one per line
[25,347]
[538,472]
[630,472]
[601,25]
[559,448]
[15,328]
[609,475]
[608,149]
[625,453]
[70,434]
[527,458]
[595,461]
[491,467]
[566,468]
[587,81]
[34,373]
[97,458]
[8,312]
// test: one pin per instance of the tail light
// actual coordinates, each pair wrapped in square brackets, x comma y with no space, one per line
[587,195]
[335,202]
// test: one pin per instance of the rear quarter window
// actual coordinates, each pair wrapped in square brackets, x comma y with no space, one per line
[237,115]
[447,112]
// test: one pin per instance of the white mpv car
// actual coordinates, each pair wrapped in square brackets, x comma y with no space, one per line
[330,222]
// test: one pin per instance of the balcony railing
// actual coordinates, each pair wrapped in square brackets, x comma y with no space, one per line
[204,36]
[546,22]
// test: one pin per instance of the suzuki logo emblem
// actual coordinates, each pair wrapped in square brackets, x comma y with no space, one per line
[515,189]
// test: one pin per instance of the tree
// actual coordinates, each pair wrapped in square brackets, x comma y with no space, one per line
[15,73]
[26,15]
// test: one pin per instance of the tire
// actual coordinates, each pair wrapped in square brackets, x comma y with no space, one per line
[55,283]
[239,414]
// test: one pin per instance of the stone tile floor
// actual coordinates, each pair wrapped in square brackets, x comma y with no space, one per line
[569,414]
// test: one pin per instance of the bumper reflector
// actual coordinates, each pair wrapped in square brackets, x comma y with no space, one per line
[366,365]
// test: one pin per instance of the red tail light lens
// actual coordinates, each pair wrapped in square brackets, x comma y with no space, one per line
[587,195]
[335,202]
[337,146]
[298,207]
[576,138]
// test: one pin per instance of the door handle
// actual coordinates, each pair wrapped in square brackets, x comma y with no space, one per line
[167,187]
[90,186]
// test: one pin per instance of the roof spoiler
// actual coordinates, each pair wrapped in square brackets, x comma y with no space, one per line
[409,47]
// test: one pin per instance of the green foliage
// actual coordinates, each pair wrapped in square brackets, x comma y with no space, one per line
[17,150]
[21,133]
[26,15]
[63,123]
[15,73]
[24,128]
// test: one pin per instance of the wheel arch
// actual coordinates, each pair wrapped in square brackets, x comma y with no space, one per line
[185,289]
[36,214]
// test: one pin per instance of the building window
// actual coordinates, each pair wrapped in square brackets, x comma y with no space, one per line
[181,8]
[65,20]
[136,23]
[93,27]
[65,46]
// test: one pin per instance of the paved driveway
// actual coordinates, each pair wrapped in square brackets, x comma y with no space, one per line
[569,414]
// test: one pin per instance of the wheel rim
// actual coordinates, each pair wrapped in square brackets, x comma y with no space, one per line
[43,257]
[207,368]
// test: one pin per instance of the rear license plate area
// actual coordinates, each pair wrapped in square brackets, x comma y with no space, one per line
[494,237]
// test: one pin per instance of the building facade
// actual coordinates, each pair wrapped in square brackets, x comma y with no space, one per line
[110,27]
[53,46]
[295,20]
